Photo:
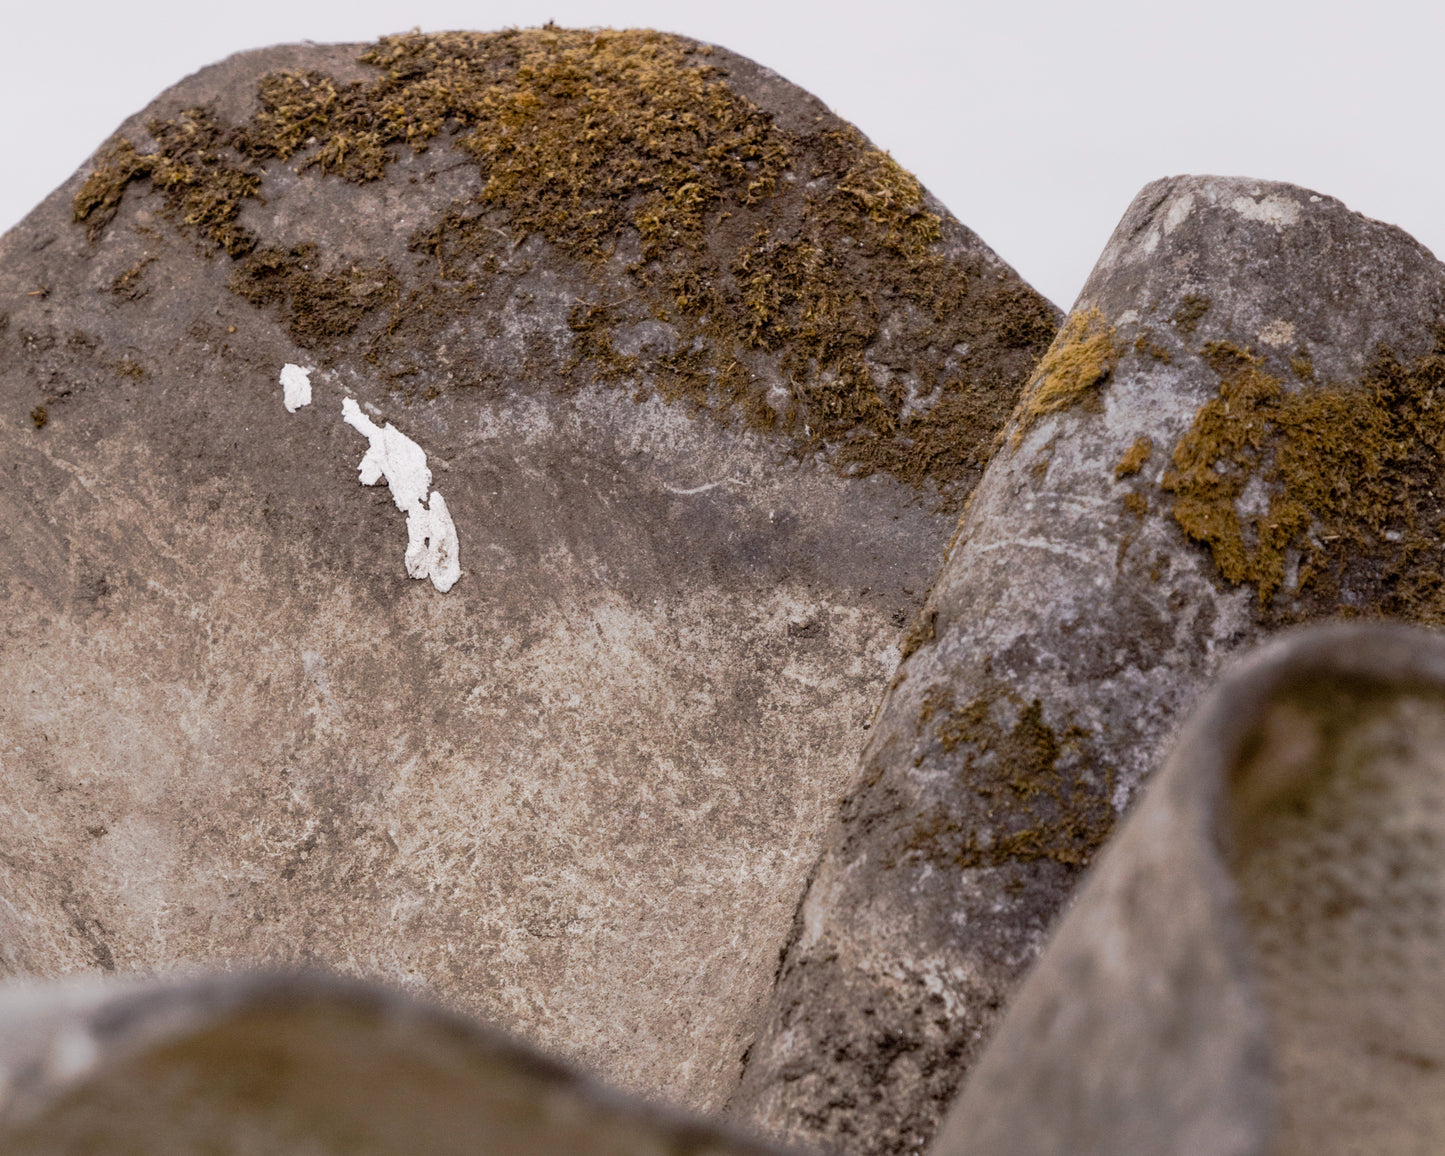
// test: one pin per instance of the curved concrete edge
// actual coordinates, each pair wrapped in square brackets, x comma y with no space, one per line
[1145,1026]
[278,1062]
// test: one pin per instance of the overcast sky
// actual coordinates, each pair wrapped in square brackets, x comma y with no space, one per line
[1036,122]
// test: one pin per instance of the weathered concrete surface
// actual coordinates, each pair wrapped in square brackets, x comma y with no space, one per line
[1256,965]
[579,793]
[1215,446]
[252,1064]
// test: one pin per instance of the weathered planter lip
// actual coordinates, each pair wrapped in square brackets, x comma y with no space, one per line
[1211,742]
[1151,970]
[54,1037]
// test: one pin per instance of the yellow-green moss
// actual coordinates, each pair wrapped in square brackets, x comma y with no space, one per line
[752,238]
[1040,799]
[1345,476]
[1134,458]
[1070,373]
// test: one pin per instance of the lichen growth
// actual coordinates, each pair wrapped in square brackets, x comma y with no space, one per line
[1134,458]
[754,241]
[1070,373]
[1039,796]
[1324,495]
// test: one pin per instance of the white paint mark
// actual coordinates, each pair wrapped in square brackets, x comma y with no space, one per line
[431,536]
[295,386]
[1279,332]
[1273,210]
[703,489]
[1178,213]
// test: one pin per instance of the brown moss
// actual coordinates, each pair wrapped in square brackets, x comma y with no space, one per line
[39,416]
[1134,458]
[130,369]
[591,138]
[1136,504]
[1340,481]
[201,185]
[1303,365]
[127,284]
[1189,312]
[1075,366]
[1040,799]
[1146,346]
[318,305]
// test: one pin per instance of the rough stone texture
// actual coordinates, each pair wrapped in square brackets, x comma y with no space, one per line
[253,1064]
[578,794]
[1250,363]
[1256,965]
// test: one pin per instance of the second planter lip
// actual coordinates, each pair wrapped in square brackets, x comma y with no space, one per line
[1146,1025]
[1127,538]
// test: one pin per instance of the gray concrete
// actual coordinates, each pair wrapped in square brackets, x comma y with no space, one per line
[1071,628]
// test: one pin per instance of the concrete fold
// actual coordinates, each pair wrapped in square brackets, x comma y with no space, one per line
[1239,427]
[670,383]
[1256,964]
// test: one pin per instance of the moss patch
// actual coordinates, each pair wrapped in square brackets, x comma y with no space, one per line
[1134,458]
[753,240]
[1146,346]
[318,305]
[128,284]
[1189,312]
[194,170]
[39,416]
[1041,799]
[1340,483]
[1076,364]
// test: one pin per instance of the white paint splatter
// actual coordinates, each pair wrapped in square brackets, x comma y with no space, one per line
[295,386]
[431,536]
[1273,210]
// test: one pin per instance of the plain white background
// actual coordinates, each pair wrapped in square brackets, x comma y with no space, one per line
[1035,121]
